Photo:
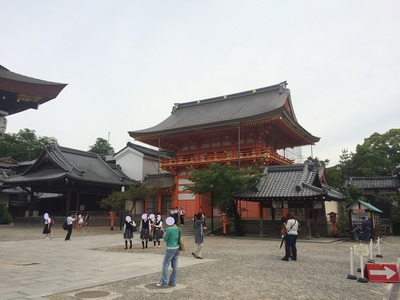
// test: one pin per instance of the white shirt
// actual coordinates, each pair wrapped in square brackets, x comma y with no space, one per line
[70,220]
[292,226]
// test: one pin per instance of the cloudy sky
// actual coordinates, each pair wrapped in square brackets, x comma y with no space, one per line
[127,62]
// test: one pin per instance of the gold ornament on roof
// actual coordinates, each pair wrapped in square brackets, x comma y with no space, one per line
[27,98]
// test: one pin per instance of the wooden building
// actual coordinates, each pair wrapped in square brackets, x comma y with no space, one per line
[300,189]
[246,129]
[81,179]
[19,93]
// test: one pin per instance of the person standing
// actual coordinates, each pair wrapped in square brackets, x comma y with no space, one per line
[128,231]
[70,220]
[175,215]
[47,226]
[356,233]
[366,229]
[182,216]
[80,221]
[292,225]
[158,231]
[144,230]
[199,235]
[171,238]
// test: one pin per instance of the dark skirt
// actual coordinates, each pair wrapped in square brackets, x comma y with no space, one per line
[128,234]
[144,234]
[46,229]
[157,234]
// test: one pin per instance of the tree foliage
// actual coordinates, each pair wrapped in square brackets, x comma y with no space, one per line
[24,145]
[377,156]
[310,159]
[118,200]
[224,181]
[5,216]
[101,146]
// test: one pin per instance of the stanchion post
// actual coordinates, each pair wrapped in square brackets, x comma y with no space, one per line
[379,248]
[370,260]
[362,278]
[351,275]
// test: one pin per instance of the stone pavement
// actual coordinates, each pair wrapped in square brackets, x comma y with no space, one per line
[97,267]
[32,269]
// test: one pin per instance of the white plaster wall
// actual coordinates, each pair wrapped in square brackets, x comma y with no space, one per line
[131,162]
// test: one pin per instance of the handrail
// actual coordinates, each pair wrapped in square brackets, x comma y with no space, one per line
[225,156]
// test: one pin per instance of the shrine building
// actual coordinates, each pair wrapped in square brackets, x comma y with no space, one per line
[246,129]
[19,93]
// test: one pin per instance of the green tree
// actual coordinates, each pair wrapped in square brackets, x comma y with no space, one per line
[378,155]
[223,182]
[117,200]
[101,146]
[334,177]
[310,159]
[24,145]
[5,216]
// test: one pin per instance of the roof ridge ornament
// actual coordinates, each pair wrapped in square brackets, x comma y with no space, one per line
[175,107]
[282,86]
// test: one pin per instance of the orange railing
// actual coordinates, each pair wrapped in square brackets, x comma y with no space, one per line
[266,156]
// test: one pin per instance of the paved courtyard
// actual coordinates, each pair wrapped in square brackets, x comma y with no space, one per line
[94,265]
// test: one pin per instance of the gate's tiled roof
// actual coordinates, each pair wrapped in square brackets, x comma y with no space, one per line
[268,102]
[382,182]
[297,181]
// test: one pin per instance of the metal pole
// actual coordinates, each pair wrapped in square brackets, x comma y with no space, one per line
[212,212]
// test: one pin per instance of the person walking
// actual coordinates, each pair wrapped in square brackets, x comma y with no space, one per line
[292,225]
[47,226]
[171,238]
[70,221]
[128,231]
[87,221]
[199,235]
[144,230]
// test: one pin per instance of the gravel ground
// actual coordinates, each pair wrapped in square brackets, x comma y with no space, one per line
[246,268]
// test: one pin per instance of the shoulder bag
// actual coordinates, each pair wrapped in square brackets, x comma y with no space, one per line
[182,246]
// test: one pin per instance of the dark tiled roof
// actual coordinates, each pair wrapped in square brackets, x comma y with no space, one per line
[161,180]
[146,151]
[31,91]
[382,182]
[297,181]
[57,163]
[268,102]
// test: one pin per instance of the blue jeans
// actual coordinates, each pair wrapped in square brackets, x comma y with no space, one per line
[171,256]
[291,243]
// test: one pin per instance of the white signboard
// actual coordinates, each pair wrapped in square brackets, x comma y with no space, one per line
[361,250]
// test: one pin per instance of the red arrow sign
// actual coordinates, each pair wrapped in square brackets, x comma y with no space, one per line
[381,273]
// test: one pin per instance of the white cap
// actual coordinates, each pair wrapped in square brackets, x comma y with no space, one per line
[170,221]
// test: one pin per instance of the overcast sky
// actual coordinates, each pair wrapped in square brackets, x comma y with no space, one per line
[127,62]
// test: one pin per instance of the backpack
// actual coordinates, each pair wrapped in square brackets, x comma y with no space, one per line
[65,226]
[52,222]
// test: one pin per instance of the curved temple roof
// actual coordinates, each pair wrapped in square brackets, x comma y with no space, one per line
[59,163]
[297,181]
[19,92]
[264,103]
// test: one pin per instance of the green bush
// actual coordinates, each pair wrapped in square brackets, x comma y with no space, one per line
[5,216]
